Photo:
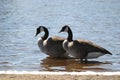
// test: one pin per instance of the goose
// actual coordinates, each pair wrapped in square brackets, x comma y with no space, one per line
[81,49]
[51,46]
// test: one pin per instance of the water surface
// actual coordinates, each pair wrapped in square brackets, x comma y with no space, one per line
[94,20]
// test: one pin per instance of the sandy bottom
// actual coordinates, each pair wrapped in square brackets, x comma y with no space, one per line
[57,77]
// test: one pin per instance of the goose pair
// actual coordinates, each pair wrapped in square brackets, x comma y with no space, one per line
[77,48]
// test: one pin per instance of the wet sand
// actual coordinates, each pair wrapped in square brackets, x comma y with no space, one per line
[60,76]
[57,77]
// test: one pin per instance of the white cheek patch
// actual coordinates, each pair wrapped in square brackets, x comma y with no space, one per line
[66,29]
[41,29]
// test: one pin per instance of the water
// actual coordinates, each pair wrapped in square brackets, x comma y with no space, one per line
[94,20]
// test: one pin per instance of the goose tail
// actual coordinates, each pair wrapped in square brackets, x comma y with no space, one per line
[107,52]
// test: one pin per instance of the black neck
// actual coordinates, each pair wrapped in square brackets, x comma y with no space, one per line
[46,34]
[70,35]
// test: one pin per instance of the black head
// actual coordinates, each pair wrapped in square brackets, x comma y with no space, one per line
[39,29]
[65,28]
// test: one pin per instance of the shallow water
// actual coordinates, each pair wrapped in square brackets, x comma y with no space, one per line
[94,20]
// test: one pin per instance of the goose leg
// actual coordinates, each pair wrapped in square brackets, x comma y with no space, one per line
[81,60]
[86,60]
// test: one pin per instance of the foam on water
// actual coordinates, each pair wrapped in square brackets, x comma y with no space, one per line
[60,73]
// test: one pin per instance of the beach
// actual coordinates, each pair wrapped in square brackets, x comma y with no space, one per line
[62,76]
[57,77]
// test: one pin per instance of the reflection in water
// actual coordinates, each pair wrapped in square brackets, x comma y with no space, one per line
[50,64]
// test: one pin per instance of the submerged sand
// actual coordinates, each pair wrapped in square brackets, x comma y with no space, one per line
[57,76]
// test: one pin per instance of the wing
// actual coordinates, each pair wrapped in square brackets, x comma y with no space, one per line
[91,47]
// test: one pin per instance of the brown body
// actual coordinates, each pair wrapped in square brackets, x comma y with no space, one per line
[80,48]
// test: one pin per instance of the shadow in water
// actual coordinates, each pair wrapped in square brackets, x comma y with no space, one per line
[50,64]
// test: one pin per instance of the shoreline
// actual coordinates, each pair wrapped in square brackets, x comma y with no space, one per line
[35,75]
[59,73]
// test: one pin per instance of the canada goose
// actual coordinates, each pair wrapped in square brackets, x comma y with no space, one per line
[51,46]
[80,48]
